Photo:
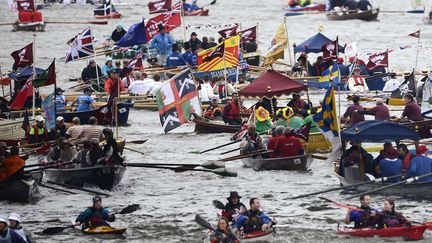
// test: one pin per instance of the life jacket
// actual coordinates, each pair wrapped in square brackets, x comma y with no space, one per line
[96,219]
[406,161]
[253,223]
[211,112]
[234,112]
[36,133]
[359,81]
[7,238]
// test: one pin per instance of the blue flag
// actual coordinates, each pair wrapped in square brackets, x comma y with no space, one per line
[48,107]
[136,35]
[332,73]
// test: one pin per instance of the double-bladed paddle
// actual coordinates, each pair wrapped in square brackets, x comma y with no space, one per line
[203,223]
[218,204]
[55,230]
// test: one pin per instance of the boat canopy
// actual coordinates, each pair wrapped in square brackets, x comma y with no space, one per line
[378,131]
[24,73]
[314,44]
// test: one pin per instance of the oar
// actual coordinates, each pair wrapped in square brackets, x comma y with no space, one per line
[407,181]
[243,156]
[208,4]
[346,187]
[138,141]
[79,188]
[7,23]
[220,146]
[218,204]
[203,223]
[57,189]
[78,22]
[220,171]
[54,230]
[207,165]
[49,166]
[230,151]
[133,150]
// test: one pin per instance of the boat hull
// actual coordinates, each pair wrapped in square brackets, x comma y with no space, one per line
[201,12]
[317,143]
[31,26]
[255,237]
[115,15]
[11,131]
[301,163]
[104,177]
[310,7]
[412,232]
[102,114]
[22,190]
[204,126]
[370,15]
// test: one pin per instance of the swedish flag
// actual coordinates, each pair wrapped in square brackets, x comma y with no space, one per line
[332,73]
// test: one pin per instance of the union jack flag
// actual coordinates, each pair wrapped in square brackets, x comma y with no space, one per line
[80,46]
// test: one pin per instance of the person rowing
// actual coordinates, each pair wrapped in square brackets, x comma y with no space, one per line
[389,218]
[364,218]
[421,165]
[223,233]
[252,141]
[233,207]
[95,216]
[253,220]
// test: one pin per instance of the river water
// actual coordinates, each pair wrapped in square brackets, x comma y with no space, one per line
[170,200]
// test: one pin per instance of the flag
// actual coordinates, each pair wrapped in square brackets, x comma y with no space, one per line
[48,107]
[327,121]
[415,34]
[405,47]
[331,50]
[170,20]
[408,85]
[278,45]
[23,57]
[229,32]
[249,34]
[159,6]
[136,35]
[48,77]
[332,73]
[351,49]
[217,52]
[303,131]
[135,63]
[177,100]
[377,60]
[81,46]
[26,5]
[26,124]
[231,54]
[25,92]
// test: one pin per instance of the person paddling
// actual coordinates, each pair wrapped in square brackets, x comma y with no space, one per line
[15,224]
[389,218]
[223,233]
[233,206]
[95,216]
[364,218]
[253,220]
[7,234]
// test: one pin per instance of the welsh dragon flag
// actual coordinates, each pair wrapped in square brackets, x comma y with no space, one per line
[177,99]
[48,77]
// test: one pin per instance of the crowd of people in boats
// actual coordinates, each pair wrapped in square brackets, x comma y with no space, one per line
[348,5]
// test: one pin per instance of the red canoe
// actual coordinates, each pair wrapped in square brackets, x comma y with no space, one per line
[115,15]
[200,12]
[412,232]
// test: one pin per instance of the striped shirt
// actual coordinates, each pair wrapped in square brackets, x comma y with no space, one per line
[74,131]
[91,131]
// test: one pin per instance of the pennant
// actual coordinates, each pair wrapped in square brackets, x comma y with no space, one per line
[229,32]
[136,35]
[278,46]
[136,63]
[26,5]
[23,57]
[328,75]
[177,100]
[170,20]
[377,60]
[81,46]
[25,92]
[229,59]
[415,34]
[303,131]
[48,106]
[351,49]
[217,52]
[249,34]
[159,6]
[48,77]
[331,50]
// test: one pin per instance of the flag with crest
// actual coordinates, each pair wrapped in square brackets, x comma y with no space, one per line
[23,57]
[377,60]
[328,76]
[159,6]
[415,34]
[331,50]
[80,46]
[26,5]
[170,20]
[249,34]
[229,32]
[212,60]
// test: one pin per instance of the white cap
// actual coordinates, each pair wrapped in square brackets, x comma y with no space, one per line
[40,119]
[15,217]
[4,220]
[59,118]
[108,58]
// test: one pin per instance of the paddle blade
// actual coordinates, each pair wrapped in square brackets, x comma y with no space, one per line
[55,230]
[184,168]
[225,172]
[202,222]
[130,209]
[213,165]
[218,204]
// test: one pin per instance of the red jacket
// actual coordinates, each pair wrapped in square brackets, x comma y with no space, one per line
[272,144]
[111,86]
[288,147]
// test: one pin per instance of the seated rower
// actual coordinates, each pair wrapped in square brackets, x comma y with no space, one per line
[194,6]
[357,156]
[405,156]
[365,218]
[252,142]
[357,83]
[389,218]
[38,132]
[110,153]
[297,103]
[412,110]
[63,152]
[279,133]
[231,111]
[12,166]
[253,220]
[15,224]
[7,234]
[60,100]
[223,233]
[213,110]
[95,215]
[85,101]
[391,165]
[233,207]
[380,111]
[60,127]
[94,153]
[288,145]
[381,156]
[364,5]
[421,165]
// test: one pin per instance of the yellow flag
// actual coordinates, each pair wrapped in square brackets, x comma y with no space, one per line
[279,44]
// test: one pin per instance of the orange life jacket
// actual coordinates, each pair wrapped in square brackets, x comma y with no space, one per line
[234,112]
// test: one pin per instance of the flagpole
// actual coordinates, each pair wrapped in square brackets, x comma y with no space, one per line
[339,81]
[34,76]
[288,43]
[55,95]
[94,58]
[418,47]
[182,20]
[225,75]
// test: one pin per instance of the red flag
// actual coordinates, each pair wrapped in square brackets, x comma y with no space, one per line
[25,92]
[217,52]
[415,34]
[26,5]
[135,63]
[229,32]
[330,50]
[23,57]
[159,6]
[249,34]
[170,20]
[377,60]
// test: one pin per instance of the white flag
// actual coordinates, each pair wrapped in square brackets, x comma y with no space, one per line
[351,49]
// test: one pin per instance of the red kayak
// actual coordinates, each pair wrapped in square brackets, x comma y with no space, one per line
[114,15]
[411,232]
[200,12]
[310,7]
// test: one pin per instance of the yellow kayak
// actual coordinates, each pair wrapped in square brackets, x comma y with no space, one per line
[104,230]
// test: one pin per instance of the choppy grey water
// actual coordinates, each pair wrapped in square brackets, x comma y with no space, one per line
[170,200]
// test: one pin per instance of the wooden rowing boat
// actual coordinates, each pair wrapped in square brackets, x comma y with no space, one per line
[301,163]
[370,15]
[310,7]
[31,26]
[113,15]
[203,125]
[11,131]
[18,190]
[414,232]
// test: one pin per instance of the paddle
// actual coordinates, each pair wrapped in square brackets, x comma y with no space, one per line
[79,188]
[57,189]
[208,4]
[220,171]
[218,204]
[230,151]
[407,181]
[78,22]
[220,146]
[53,165]
[203,223]
[345,187]
[133,150]
[207,165]
[243,156]
[54,230]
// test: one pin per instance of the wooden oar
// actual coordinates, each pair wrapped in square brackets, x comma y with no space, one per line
[134,150]
[230,151]
[218,204]
[50,166]
[220,146]
[203,223]
[207,165]
[208,4]
[243,156]
[55,188]
[407,181]
[345,187]
[7,23]
[77,22]
[54,230]
[79,188]
[220,171]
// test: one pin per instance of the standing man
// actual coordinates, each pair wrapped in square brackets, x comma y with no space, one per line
[352,112]
[85,101]
[113,84]
[163,43]
[231,112]
[357,83]
[362,219]
[380,111]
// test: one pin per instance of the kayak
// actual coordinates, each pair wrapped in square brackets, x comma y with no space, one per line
[259,236]
[114,15]
[411,232]
[310,7]
[200,12]
[104,230]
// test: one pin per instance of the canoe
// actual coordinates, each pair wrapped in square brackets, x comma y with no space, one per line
[310,7]
[103,114]
[411,232]
[104,177]
[31,26]
[18,190]
[114,15]
[200,12]
[254,237]
[301,163]
[103,230]
[11,131]
[370,15]
[205,126]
